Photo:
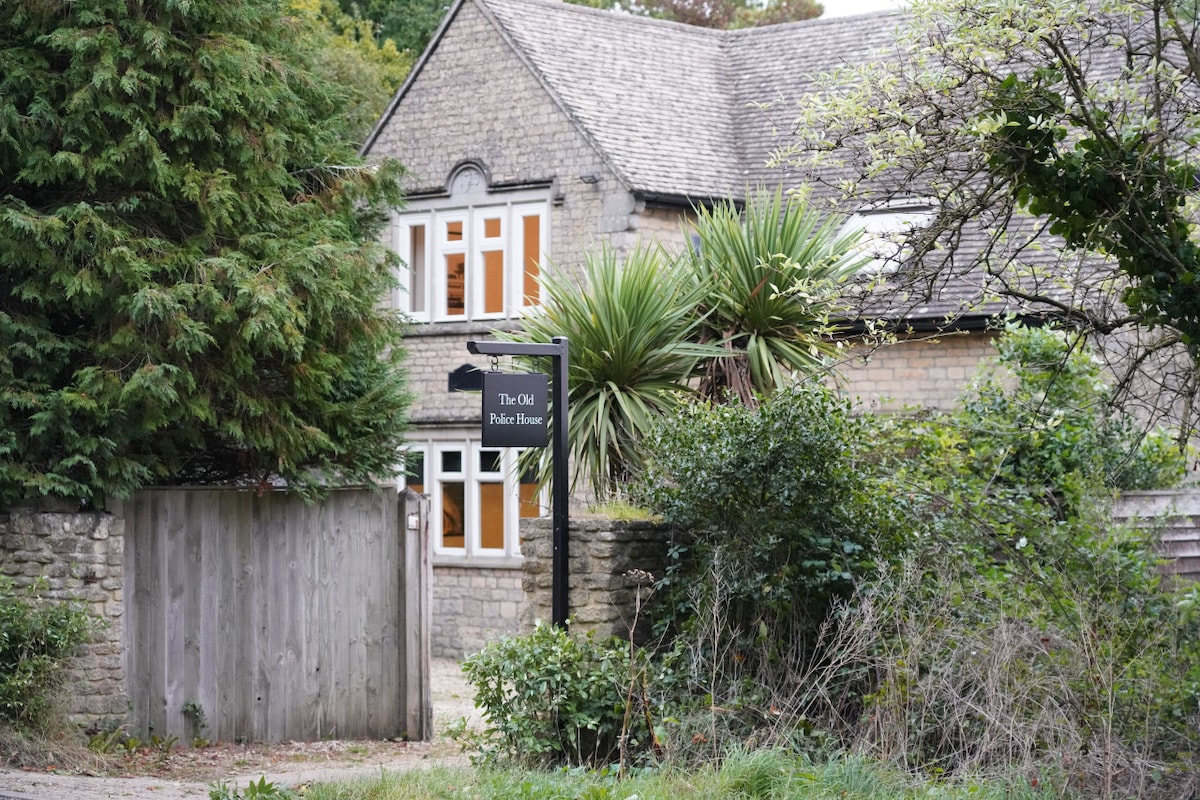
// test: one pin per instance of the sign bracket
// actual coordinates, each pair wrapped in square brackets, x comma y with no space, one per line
[557,351]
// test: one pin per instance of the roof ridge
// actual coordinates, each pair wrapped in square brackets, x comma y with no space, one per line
[613,14]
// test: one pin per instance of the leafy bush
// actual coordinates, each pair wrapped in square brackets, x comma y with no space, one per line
[784,517]
[553,697]
[1048,427]
[1038,666]
[36,638]
[262,788]
[946,591]
[1027,633]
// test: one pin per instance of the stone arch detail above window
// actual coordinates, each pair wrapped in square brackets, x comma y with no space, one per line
[468,179]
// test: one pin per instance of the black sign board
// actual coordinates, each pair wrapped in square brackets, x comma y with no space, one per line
[515,409]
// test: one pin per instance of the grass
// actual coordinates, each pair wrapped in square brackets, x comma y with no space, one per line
[760,775]
[622,510]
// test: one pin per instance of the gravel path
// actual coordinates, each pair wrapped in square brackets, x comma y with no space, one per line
[451,701]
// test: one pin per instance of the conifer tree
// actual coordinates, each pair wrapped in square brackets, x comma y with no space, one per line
[190,271]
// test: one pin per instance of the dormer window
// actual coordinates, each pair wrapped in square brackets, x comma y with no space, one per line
[886,229]
[474,255]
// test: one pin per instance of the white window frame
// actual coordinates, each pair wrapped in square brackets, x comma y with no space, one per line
[885,229]
[511,209]
[472,476]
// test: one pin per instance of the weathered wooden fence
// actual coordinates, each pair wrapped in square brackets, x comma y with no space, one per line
[258,617]
[1175,516]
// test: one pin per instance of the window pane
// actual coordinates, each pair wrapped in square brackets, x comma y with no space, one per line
[454,231]
[489,460]
[491,516]
[452,461]
[532,239]
[493,281]
[452,514]
[530,507]
[491,227]
[416,266]
[414,471]
[456,268]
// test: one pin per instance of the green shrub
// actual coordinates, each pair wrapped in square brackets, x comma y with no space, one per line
[1026,633]
[777,494]
[784,517]
[631,323]
[262,788]
[556,698]
[36,638]
[1048,426]
[1041,666]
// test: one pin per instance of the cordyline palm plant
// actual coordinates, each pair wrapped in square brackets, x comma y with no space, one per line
[632,329]
[769,283]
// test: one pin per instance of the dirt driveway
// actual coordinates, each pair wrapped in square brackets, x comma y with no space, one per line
[185,774]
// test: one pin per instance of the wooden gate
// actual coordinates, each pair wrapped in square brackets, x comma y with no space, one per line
[258,617]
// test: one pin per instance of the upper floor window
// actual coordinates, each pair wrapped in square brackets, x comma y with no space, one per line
[473,255]
[886,228]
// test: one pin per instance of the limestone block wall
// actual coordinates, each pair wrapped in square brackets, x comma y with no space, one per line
[472,606]
[80,556]
[925,372]
[434,351]
[610,562]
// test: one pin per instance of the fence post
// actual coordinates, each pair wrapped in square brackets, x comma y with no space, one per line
[416,620]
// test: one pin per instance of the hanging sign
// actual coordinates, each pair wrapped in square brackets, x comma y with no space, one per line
[515,409]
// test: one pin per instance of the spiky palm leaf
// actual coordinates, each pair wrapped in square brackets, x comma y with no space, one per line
[631,329]
[770,282]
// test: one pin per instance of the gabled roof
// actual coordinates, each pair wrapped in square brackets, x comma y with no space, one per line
[677,111]
[670,107]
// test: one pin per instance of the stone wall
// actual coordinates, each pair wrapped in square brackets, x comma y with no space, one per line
[610,562]
[472,606]
[81,557]
[925,372]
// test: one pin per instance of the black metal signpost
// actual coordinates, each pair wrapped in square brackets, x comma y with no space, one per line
[510,411]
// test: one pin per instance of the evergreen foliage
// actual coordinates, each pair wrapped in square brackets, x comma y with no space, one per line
[408,23]
[1048,426]
[36,640]
[772,279]
[350,52]
[785,518]
[189,272]
[631,325]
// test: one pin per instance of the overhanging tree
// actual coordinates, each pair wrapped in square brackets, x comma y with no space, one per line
[1058,139]
[350,53]
[190,278]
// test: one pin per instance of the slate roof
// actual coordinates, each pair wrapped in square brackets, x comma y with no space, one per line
[676,110]
[669,106]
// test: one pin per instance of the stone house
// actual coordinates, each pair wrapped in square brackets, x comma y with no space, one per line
[533,130]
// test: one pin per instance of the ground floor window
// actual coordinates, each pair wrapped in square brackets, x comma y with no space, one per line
[477,496]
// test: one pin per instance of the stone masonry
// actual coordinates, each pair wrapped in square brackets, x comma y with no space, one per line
[520,137]
[471,607]
[80,556]
[929,372]
[612,564]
